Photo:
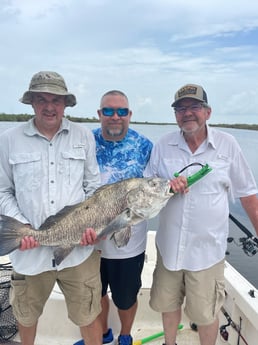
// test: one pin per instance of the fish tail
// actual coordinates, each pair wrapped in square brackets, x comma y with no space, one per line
[10,234]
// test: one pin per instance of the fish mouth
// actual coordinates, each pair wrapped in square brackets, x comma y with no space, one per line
[169,190]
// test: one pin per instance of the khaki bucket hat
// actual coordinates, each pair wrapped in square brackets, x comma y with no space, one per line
[50,82]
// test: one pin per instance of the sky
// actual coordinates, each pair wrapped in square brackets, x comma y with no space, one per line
[147,48]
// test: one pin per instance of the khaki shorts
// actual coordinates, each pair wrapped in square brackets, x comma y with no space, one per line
[203,291]
[80,285]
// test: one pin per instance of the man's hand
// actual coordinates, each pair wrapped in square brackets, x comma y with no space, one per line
[179,185]
[28,242]
[89,237]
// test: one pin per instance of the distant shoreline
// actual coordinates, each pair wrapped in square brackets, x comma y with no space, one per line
[26,117]
[222,125]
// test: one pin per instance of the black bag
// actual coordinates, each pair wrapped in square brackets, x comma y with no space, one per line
[8,323]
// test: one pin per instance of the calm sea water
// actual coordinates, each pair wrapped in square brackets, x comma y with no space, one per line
[248,140]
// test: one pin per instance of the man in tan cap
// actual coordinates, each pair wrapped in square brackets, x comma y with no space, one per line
[46,164]
[193,228]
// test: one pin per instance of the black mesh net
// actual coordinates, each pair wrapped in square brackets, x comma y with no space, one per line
[8,324]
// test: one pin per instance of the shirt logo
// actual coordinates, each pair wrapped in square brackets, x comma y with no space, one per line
[78,146]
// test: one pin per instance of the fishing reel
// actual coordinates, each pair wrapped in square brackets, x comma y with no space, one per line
[223,332]
[248,245]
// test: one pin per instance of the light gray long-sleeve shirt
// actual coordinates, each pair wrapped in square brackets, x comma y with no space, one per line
[39,177]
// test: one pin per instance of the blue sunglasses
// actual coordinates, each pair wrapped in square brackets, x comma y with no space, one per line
[111,111]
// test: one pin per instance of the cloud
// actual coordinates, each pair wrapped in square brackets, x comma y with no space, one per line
[148,49]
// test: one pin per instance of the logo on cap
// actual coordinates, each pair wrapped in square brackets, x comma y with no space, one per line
[188,90]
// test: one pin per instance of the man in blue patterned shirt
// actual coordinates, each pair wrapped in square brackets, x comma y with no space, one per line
[121,153]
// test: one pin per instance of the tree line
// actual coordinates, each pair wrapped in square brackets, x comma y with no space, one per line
[26,117]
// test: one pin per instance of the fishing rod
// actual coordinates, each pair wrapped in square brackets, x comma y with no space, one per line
[223,328]
[249,244]
[223,331]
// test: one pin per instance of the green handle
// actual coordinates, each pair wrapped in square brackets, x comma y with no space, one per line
[197,176]
[152,337]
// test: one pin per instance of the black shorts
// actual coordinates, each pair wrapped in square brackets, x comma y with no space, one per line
[124,279]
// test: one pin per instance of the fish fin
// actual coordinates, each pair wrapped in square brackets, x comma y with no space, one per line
[60,253]
[10,236]
[120,222]
[121,238]
[52,220]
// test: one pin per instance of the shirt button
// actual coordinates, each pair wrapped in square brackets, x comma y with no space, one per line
[52,181]
[52,202]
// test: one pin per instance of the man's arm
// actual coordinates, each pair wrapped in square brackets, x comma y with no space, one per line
[250,204]
[91,179]
[8,202]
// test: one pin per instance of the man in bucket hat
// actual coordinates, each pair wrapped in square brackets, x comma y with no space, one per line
[46,164]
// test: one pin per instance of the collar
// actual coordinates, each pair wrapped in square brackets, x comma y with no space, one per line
[31,130]
[179,140]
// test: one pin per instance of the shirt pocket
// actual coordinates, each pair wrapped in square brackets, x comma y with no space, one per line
[218,180]
[72,165]
[27,169]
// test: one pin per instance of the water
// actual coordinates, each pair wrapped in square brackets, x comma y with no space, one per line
[248,140]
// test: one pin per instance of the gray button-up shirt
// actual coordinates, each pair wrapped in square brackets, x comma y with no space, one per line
[193,227]
[39,177]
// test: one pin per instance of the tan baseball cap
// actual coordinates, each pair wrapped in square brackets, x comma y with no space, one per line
[190,91]
[50,82]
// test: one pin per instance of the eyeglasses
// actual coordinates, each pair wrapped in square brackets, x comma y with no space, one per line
[194,108]
[111,111]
